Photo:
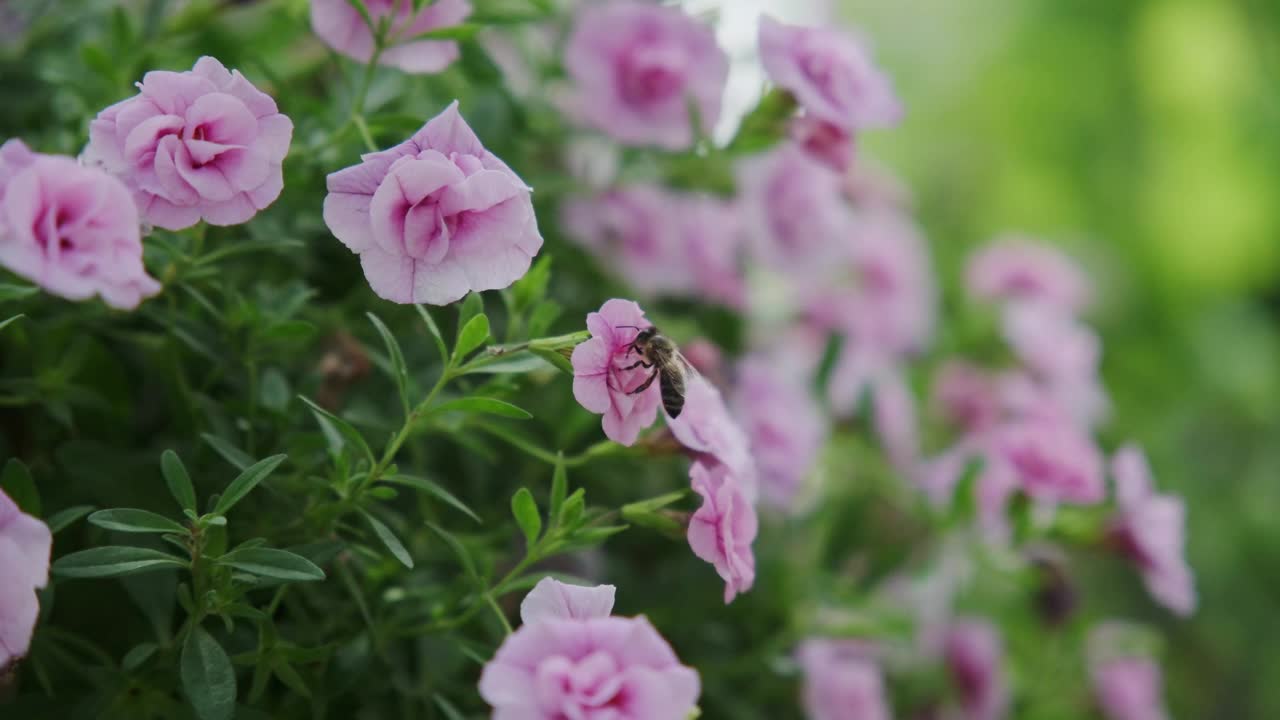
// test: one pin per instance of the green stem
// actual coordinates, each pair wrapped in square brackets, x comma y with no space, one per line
[497,610]
[418,411]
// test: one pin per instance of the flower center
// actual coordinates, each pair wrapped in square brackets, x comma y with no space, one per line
[651,75]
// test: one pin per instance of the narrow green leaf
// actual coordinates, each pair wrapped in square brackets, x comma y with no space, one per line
[589,537]
[17,483]
[525,510]
[517,364]
[129,520]
[532,287]
[229,452]
[114,561]
[446,707]
[207,676]
[5,323]
[555,357]
[246,482]
[471,336]
[480,404]
[471,306]
[347,429]
[175,476]
[574,506]
[399,370]
[138,655]
[559,489]
[434,489]
[463,31]
[458,548]
[435,332]
[291,678]
[62,519]
[10,291]
[389,539]
[274,390]
[364,15]
[272,563]
[653,504]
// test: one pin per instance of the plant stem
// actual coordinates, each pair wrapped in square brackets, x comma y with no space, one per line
[418,411]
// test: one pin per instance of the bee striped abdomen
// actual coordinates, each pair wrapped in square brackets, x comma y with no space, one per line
[672,385]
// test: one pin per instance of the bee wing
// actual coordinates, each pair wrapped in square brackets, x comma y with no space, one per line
[689,370]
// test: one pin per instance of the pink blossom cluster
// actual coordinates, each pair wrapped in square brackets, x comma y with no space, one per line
[25,543]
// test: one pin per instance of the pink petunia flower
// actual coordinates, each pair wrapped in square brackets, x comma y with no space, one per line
[342,28]
[565,663]
[434,217]
[724,527]
[1018,268]
[1052,461]
[25,543]
[606,373]
[784,426]
[198,144]
[973,652]
[830,74]
[826,142]
[710,431]
[636,67]
[71,229]
[842,681]
[966,396]
[1150,529]
[1126,684]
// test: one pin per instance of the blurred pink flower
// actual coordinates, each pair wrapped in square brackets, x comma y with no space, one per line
[842,681]
[826,142]
[1127,685]
[830,74]
[868,184]
[966,396]
[198,144]
[711,432]
[552,599]
[342,28]
[603,376]
[1051,343]
[793,211]
[1017,268]
[434,217]
[25,543]
[973,653]
[724,527]
[637,66]
[784,426]
[1051,460]
[1150,529]
[72,230]
[712,243]
[588,665]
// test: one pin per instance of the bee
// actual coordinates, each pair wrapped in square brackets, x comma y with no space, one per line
[670,368]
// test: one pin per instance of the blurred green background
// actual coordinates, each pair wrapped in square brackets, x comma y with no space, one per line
[1145,136]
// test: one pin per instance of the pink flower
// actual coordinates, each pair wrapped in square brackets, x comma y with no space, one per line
[711,239]
[199,144]
[606,373]
[340,25]
[783,423]
[586,665]
[1150,528]
[636,66]
[966,396]
[1051,460]
[1126,684]
[829,73]
[711,432]
[723,529]
[841,681]
[71,229]
[973,653]
[871,185]
[434,217]
[25,543]
[794,212]
[1061,357]
[1017,268]
[552,599]
[826,142]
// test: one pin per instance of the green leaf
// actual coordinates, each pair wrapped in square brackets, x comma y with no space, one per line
[434,489]
[435,332]
[525,510]
[272,563]
[653,504]
[389,539]
[544,314]
[129,520]
[589,537]
[471,336]
[60,520]
[246,482]
[347,429]
[274,390]
[364,15]
[5,323]
[114,561]
[533,286]
[458,548]
[138,655]
[765,125]
[207,676]
[472,306]
[463,31]
[559,489]
[399,370]
[175,476]
[480,404]
[574,506]
[517,364]
[229,452]
[17,483]
[9,291]
[830,355]
[555,357]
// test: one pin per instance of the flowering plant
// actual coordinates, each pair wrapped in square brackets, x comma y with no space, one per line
[335,359]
